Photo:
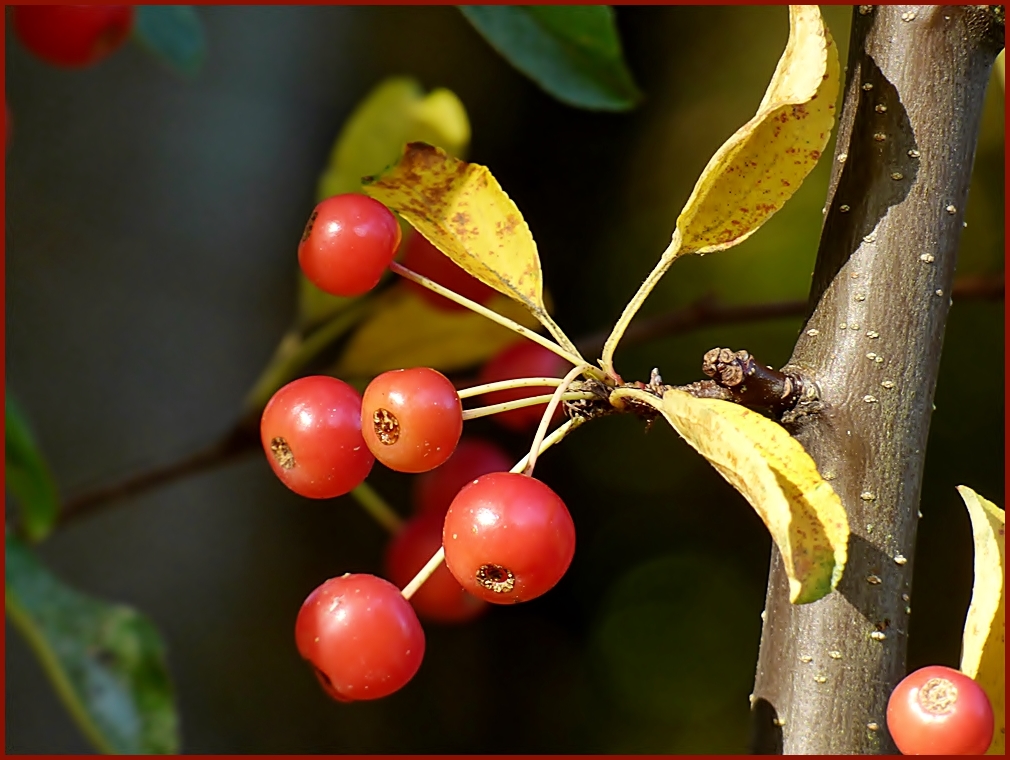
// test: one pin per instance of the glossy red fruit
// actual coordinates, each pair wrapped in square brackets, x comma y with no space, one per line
[72,35]
[473,457]
[422,257]
[441,598]
[311,433]
[411,419]
[523,359]
[348,243]
[361,636]
[508,538]
[940,711]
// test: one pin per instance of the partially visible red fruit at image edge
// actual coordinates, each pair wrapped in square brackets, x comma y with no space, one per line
[422,257]
[348,243]
[73,36]
[361,636]
[473,457]
[311,433]
[523,359]
[940,711]
[440,598]
[508,538]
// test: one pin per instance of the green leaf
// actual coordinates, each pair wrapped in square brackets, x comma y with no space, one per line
[27,475]
[405,330]
[105,660]
[573,52]
[172,33]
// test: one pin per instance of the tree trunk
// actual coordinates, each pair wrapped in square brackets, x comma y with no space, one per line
[878,306]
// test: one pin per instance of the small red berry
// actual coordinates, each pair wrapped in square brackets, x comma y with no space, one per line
[940,711]
[73,35]
[422,257]
[508,538]
[523,359]
[361,636]
[411,419]
[473,457]
[347,244]
[440,598]
[311,432]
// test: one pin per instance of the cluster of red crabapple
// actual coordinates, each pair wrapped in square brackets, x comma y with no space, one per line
[360,632]
[505,537]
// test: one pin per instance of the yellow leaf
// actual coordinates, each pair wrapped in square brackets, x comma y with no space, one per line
[775,475]
[404,330]
[759,168]
[394,113]
[983,652]
[463,211]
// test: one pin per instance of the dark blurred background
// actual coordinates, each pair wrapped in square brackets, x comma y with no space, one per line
[151,225]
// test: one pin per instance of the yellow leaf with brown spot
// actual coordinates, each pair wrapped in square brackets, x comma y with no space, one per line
[760,167]
[405,330]
[983,650]
[463,211]
[774,473]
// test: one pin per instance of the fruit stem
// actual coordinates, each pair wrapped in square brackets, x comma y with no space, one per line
[424,573]
[377,507]
[505,385]
[669,256]
[571,356]
[549,441]
[508,406]
[559,335]
[552,407]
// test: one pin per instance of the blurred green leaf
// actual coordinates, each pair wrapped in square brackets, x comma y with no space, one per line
[27,475]
[174,34]
[658,648]
[105,660]
[405,330]
[572,52]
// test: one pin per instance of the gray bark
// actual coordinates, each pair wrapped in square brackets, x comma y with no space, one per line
[878,306]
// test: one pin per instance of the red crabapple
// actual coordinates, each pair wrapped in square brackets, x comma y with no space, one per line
[940,711]
[348,243]
[440,598]
[508,538]
[72,35]
[411,419]
[473,457]
[311,433]
[522,359]
[361,636]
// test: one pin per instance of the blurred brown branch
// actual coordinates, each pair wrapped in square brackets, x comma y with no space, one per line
[706,312]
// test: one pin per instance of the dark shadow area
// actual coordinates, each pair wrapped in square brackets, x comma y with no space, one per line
[882,153]
[766,733]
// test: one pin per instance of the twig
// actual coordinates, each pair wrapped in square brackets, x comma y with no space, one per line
[240,441]
[706,312]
